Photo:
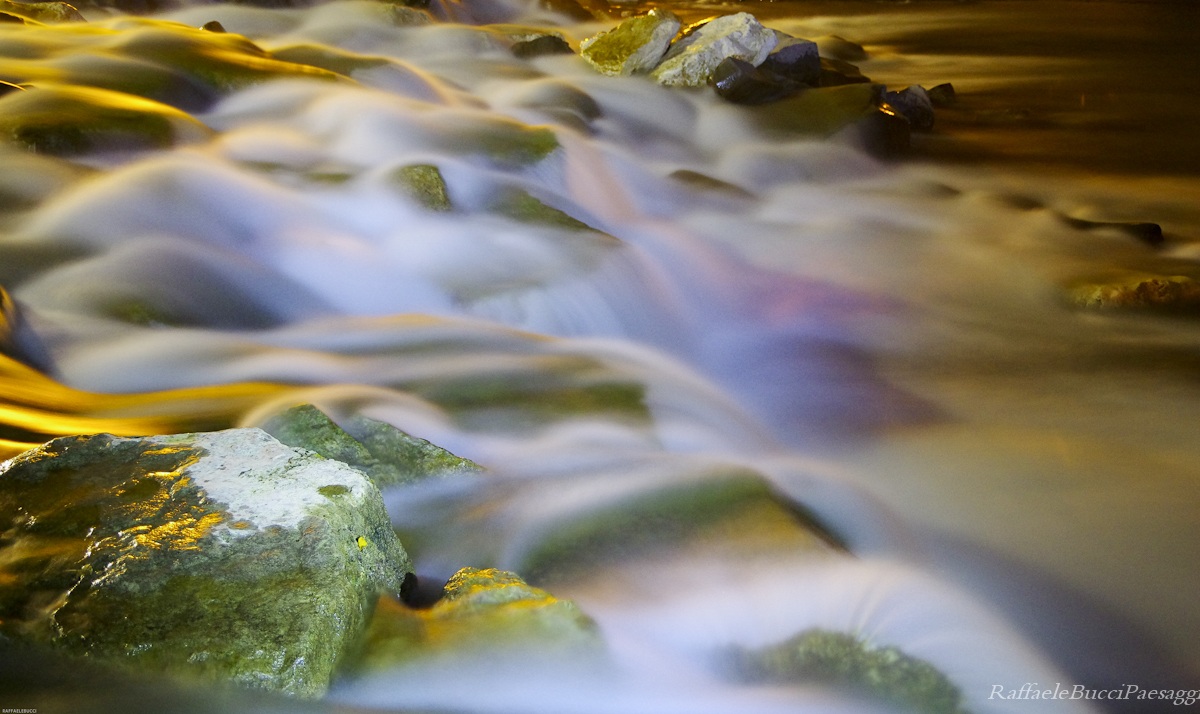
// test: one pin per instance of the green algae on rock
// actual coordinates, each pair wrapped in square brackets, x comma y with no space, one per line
[483,613]
[224,556]
[383,452]
[1169,294]
[842,660]
[720,510]
[635,45]
[65,121]
[425,185]
[51,12]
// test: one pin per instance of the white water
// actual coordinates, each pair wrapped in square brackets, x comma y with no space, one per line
[889,343]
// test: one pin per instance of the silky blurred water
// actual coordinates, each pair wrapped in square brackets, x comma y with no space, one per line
[890,343]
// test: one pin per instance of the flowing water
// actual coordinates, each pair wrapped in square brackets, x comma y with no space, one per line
[890,343]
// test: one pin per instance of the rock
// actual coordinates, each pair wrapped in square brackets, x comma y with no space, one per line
[715,511]
[913,104]
[883,133]
[213,26]
[6,87]
[740,82]
[1175,293]
[51,12]
[483,613]
[691,60]
[383,452]
[65,121]
[820,112]
[795,60]
[839,48]
[539,46]
[835,73]
[424,184]
[504,142]
[1149,233]
[635,45]
[329,58]
[519,205]
[942,95]
[224,556]
[842,660]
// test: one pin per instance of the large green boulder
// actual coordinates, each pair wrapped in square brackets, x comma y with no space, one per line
[223,556]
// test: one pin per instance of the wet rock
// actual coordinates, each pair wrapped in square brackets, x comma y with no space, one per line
[66,121]
[1149,233]
[482,613]
[49,12]
[691,60]
[710,184]
[713,511]
[329,58]
[425,185]
[520,206]
[841,660]
[388,455]
[539,46]
[818,112]
[836,72]
[913,104]
[6,87]
[795,60]
[635,45]
[884,133]
[224,557]
[740,82]
[1173,293]
[504,142]
[839,48]
[942,95]
[213,26]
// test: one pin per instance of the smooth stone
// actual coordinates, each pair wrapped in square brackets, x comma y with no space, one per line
[223,557]
[691,60]
[482,613]
[635,45]
[67,121]
[843,661]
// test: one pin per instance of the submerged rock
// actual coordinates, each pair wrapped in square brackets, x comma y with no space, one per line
[222,556]
[636,45]
[1149,233]
[482,613]
[716,511]
[835,73]
[841,660]
[424,184]
[383,452]
[65,121]
[539,46]
[1173,293]
[51,12]
[691,60]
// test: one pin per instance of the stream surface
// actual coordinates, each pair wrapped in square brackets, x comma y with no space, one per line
[890,343]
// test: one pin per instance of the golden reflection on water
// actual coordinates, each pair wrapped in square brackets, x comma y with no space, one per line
[35,408]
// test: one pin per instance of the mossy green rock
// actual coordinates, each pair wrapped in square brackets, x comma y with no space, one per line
[383,452]
[483,613]
[42,11]
[222,556]
[818,112]
[425,185]
[841,660]
[718,512]
[635,45]
[65,121]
